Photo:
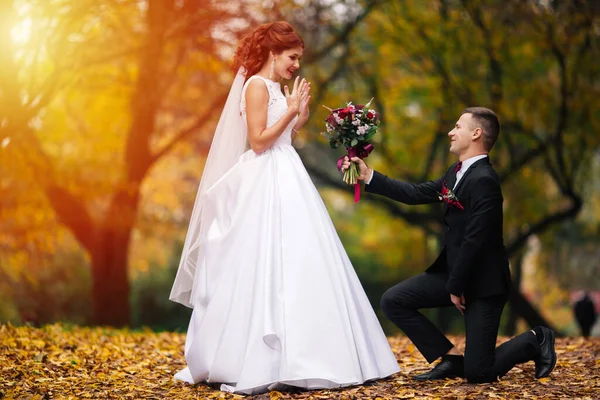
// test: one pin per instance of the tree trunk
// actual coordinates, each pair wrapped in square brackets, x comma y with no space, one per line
[110,292]
[513,315]
[528,312]
[110,257]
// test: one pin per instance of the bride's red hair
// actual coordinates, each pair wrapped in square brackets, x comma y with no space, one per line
[253,50]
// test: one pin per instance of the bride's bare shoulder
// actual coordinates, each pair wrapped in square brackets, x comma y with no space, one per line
[257,91]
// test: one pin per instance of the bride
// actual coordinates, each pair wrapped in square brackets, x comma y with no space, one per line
[275,299]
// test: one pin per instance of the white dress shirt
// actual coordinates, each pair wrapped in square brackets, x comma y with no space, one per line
[465,166]
[368,180]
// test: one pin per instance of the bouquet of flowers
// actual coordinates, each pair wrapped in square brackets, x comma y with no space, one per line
[353,127]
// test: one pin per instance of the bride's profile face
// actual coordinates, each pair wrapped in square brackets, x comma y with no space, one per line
[288,62]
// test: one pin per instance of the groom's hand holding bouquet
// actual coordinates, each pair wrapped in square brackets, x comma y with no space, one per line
[364,172]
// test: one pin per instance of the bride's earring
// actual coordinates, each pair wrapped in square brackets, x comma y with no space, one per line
[272,69]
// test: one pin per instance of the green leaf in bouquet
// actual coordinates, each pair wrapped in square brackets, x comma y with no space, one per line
[354,142]
[370,133]
[333,144]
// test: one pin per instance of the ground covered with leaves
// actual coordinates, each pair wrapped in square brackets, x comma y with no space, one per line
[95,363]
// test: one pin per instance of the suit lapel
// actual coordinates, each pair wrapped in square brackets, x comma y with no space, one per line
[451,179]
[451,175]
[485,160]
[464,177]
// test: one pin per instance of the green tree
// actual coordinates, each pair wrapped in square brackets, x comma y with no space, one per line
[532,62]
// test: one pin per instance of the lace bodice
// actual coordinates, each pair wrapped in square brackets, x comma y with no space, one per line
[276,108]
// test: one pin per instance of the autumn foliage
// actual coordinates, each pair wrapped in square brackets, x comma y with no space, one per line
[99,363]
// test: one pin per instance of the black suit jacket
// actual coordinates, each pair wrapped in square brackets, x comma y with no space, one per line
[473,256]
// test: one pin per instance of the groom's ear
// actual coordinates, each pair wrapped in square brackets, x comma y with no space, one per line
[477,134]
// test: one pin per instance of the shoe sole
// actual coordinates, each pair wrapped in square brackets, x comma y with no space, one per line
[552,336]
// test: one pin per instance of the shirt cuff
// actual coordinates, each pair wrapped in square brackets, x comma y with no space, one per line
[368,180]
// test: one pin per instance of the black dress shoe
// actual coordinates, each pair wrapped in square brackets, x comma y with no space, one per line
[546,361]
[449,367]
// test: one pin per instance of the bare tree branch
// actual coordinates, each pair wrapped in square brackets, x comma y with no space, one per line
[200,122]
[544,224]
[343,36]
[563,108]
[495,70]
[70,209]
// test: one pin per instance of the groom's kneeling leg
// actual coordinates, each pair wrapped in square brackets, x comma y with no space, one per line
[520,349]
[401,304]
[482,320]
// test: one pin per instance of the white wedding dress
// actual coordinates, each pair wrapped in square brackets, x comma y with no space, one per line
[285,306]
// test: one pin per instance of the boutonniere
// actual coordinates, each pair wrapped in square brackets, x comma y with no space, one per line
[448,196]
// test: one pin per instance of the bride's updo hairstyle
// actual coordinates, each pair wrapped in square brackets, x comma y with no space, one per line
[253,50]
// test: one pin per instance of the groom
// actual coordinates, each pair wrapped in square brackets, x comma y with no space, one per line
[471,272]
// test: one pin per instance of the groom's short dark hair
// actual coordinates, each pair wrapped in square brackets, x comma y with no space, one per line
[488,122]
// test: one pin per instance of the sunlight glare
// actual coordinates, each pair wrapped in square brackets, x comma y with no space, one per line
[21,32]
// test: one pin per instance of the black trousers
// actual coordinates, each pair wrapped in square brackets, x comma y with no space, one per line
[483,362]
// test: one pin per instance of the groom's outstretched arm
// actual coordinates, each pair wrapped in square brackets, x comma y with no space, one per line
[484,215]
[404,192]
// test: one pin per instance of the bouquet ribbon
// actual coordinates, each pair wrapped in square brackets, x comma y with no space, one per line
[361,152]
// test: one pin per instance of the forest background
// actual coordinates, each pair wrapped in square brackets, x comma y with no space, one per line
[107,110]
